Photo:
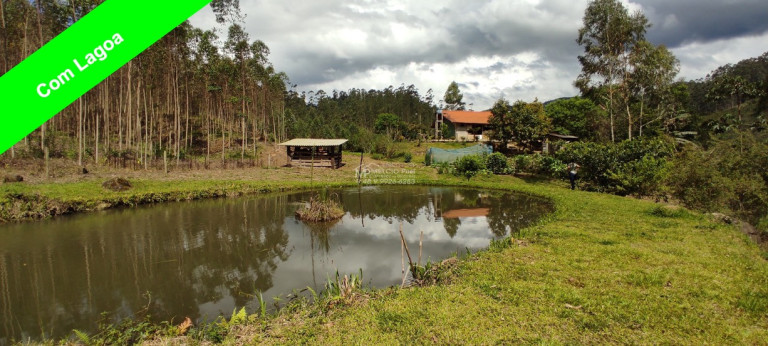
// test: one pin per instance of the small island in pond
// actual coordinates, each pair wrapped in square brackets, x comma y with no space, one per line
[320,210]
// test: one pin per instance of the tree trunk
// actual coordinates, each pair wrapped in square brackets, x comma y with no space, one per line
[242,107]
[610,104]
[187,137]
[177,112]
[80,131]
[629,121]
[4,37]
[96,157]
[74,12]
[642,103]
[138,120]
[129,104]
[40,41]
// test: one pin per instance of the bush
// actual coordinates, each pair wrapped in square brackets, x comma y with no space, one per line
[762,225]
[552,166]
[730,178]
[469,166]
[497,163]
[643,177]
[407,157]
[526,164]
[444,167]
[539,164]
[631,167]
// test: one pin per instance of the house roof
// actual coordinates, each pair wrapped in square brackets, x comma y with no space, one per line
[467,117]
[457,213]
[314,142]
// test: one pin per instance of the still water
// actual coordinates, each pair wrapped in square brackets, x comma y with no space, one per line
[205,258]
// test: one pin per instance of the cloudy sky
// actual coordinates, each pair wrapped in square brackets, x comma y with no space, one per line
[517,49]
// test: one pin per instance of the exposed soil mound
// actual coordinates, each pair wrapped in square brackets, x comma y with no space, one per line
[13,179]
[117,184]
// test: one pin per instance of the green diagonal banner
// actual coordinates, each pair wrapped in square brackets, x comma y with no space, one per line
[81,57]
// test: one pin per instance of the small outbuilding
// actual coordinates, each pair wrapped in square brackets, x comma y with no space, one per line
[550,144]
[308,152]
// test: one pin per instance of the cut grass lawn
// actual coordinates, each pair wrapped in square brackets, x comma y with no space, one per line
[601,269]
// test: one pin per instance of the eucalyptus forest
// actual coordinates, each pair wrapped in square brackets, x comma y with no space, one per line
[202,93]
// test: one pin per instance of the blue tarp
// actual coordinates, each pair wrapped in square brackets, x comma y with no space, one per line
[437,155]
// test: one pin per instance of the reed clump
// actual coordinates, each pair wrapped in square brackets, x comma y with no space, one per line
[320,210]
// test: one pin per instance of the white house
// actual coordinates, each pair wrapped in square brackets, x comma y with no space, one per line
[466,125]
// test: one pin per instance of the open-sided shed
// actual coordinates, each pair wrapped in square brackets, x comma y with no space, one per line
[307,152]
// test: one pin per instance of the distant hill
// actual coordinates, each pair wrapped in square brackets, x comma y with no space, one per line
[558,99]
[754,70]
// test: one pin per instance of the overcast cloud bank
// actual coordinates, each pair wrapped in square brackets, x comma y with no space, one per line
[517,49]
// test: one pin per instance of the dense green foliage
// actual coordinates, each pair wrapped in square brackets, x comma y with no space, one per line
[575,116]
[523,121]
[469,166]
[361,116]
[497,163]
[732,176]
[539,164]
[453,97]
[636,167]
[707,95]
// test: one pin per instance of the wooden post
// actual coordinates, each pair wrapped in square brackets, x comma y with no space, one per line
[312,168]
[360,169]
[165,161]
[421,239]
[407,252]
[402,261]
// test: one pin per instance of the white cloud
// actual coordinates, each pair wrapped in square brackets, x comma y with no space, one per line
[698,59]
[519,49]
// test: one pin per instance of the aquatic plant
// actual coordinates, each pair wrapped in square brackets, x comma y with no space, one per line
[319,209]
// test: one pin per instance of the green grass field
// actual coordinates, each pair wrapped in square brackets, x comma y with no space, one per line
[601,269]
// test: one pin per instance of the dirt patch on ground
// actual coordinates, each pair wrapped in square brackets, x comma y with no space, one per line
[67,171]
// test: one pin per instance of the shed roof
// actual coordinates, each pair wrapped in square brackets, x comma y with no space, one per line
[314,142]
[467,117]
[565,137]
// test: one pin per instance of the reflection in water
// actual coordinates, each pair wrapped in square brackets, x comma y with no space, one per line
[204,258]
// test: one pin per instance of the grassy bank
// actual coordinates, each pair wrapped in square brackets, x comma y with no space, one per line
[601,269]
[84,193]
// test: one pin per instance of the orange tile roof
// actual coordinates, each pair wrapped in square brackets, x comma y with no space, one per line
[467,117]
[457,213]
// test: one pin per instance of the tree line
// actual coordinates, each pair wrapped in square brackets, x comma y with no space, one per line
[629,89]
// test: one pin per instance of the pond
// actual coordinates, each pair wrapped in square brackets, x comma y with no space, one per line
[202,259]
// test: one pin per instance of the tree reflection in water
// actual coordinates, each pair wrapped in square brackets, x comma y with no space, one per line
[203,258]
